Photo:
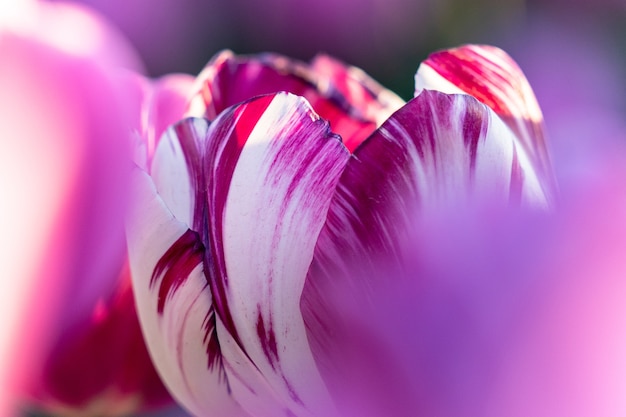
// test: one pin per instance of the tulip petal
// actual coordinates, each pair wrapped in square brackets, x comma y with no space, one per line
[490,75]
[230,79]
[269,187]
[174,303]
[177,170]
[255,184]
[371,99]
[436,151]
[153,106]
[180,184]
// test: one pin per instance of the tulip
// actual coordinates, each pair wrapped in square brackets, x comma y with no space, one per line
[296,176]
[70,342]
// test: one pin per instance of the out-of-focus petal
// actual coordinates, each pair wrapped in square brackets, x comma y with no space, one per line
[497,312]
[64,166]
[115,370]
[58,23]
[230,79]
[490,75]
[152,106]
[65,163]
[439,151]
[371,99]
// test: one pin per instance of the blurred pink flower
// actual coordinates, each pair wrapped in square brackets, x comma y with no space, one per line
[70,341]
[241,223]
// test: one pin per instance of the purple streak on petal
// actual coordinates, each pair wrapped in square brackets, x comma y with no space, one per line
[268,340]
[265,179]
[175,338]
[217,146]
[192,135]
[229,134]
[370,98]
[191,145]
[229,80]
[437,151]
[493,77]
[175,265]
[474,128]
[277,200]
[213,349]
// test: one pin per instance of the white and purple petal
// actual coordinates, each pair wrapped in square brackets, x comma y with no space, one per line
[438,152]
[219,274]
[490,75]
[269,189]
[174,303]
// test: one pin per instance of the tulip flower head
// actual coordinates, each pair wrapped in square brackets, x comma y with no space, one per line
[289,177]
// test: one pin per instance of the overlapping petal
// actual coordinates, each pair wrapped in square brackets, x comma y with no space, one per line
[437,152]
[174,302]
[353,103]
[64,177]
[491,75]
[239,205]
[153,105]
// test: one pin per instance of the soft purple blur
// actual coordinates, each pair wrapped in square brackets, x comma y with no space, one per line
[498,313]
[63,169]
[579,79]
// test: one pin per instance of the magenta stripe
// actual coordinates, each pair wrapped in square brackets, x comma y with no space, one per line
[175,266]
[191,144]
[474,74]
[503,87]
[229,134]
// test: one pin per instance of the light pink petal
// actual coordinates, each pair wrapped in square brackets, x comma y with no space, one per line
[229,79]
[438,152]
[174,303]
[63,172]
[272,175]
[57,25]
[166,105]
[152,106]
[490,75]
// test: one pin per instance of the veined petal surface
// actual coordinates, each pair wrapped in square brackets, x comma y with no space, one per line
[334,90]
[174,303]
[265,213]
[220,272]
[436,152]
[490,75]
